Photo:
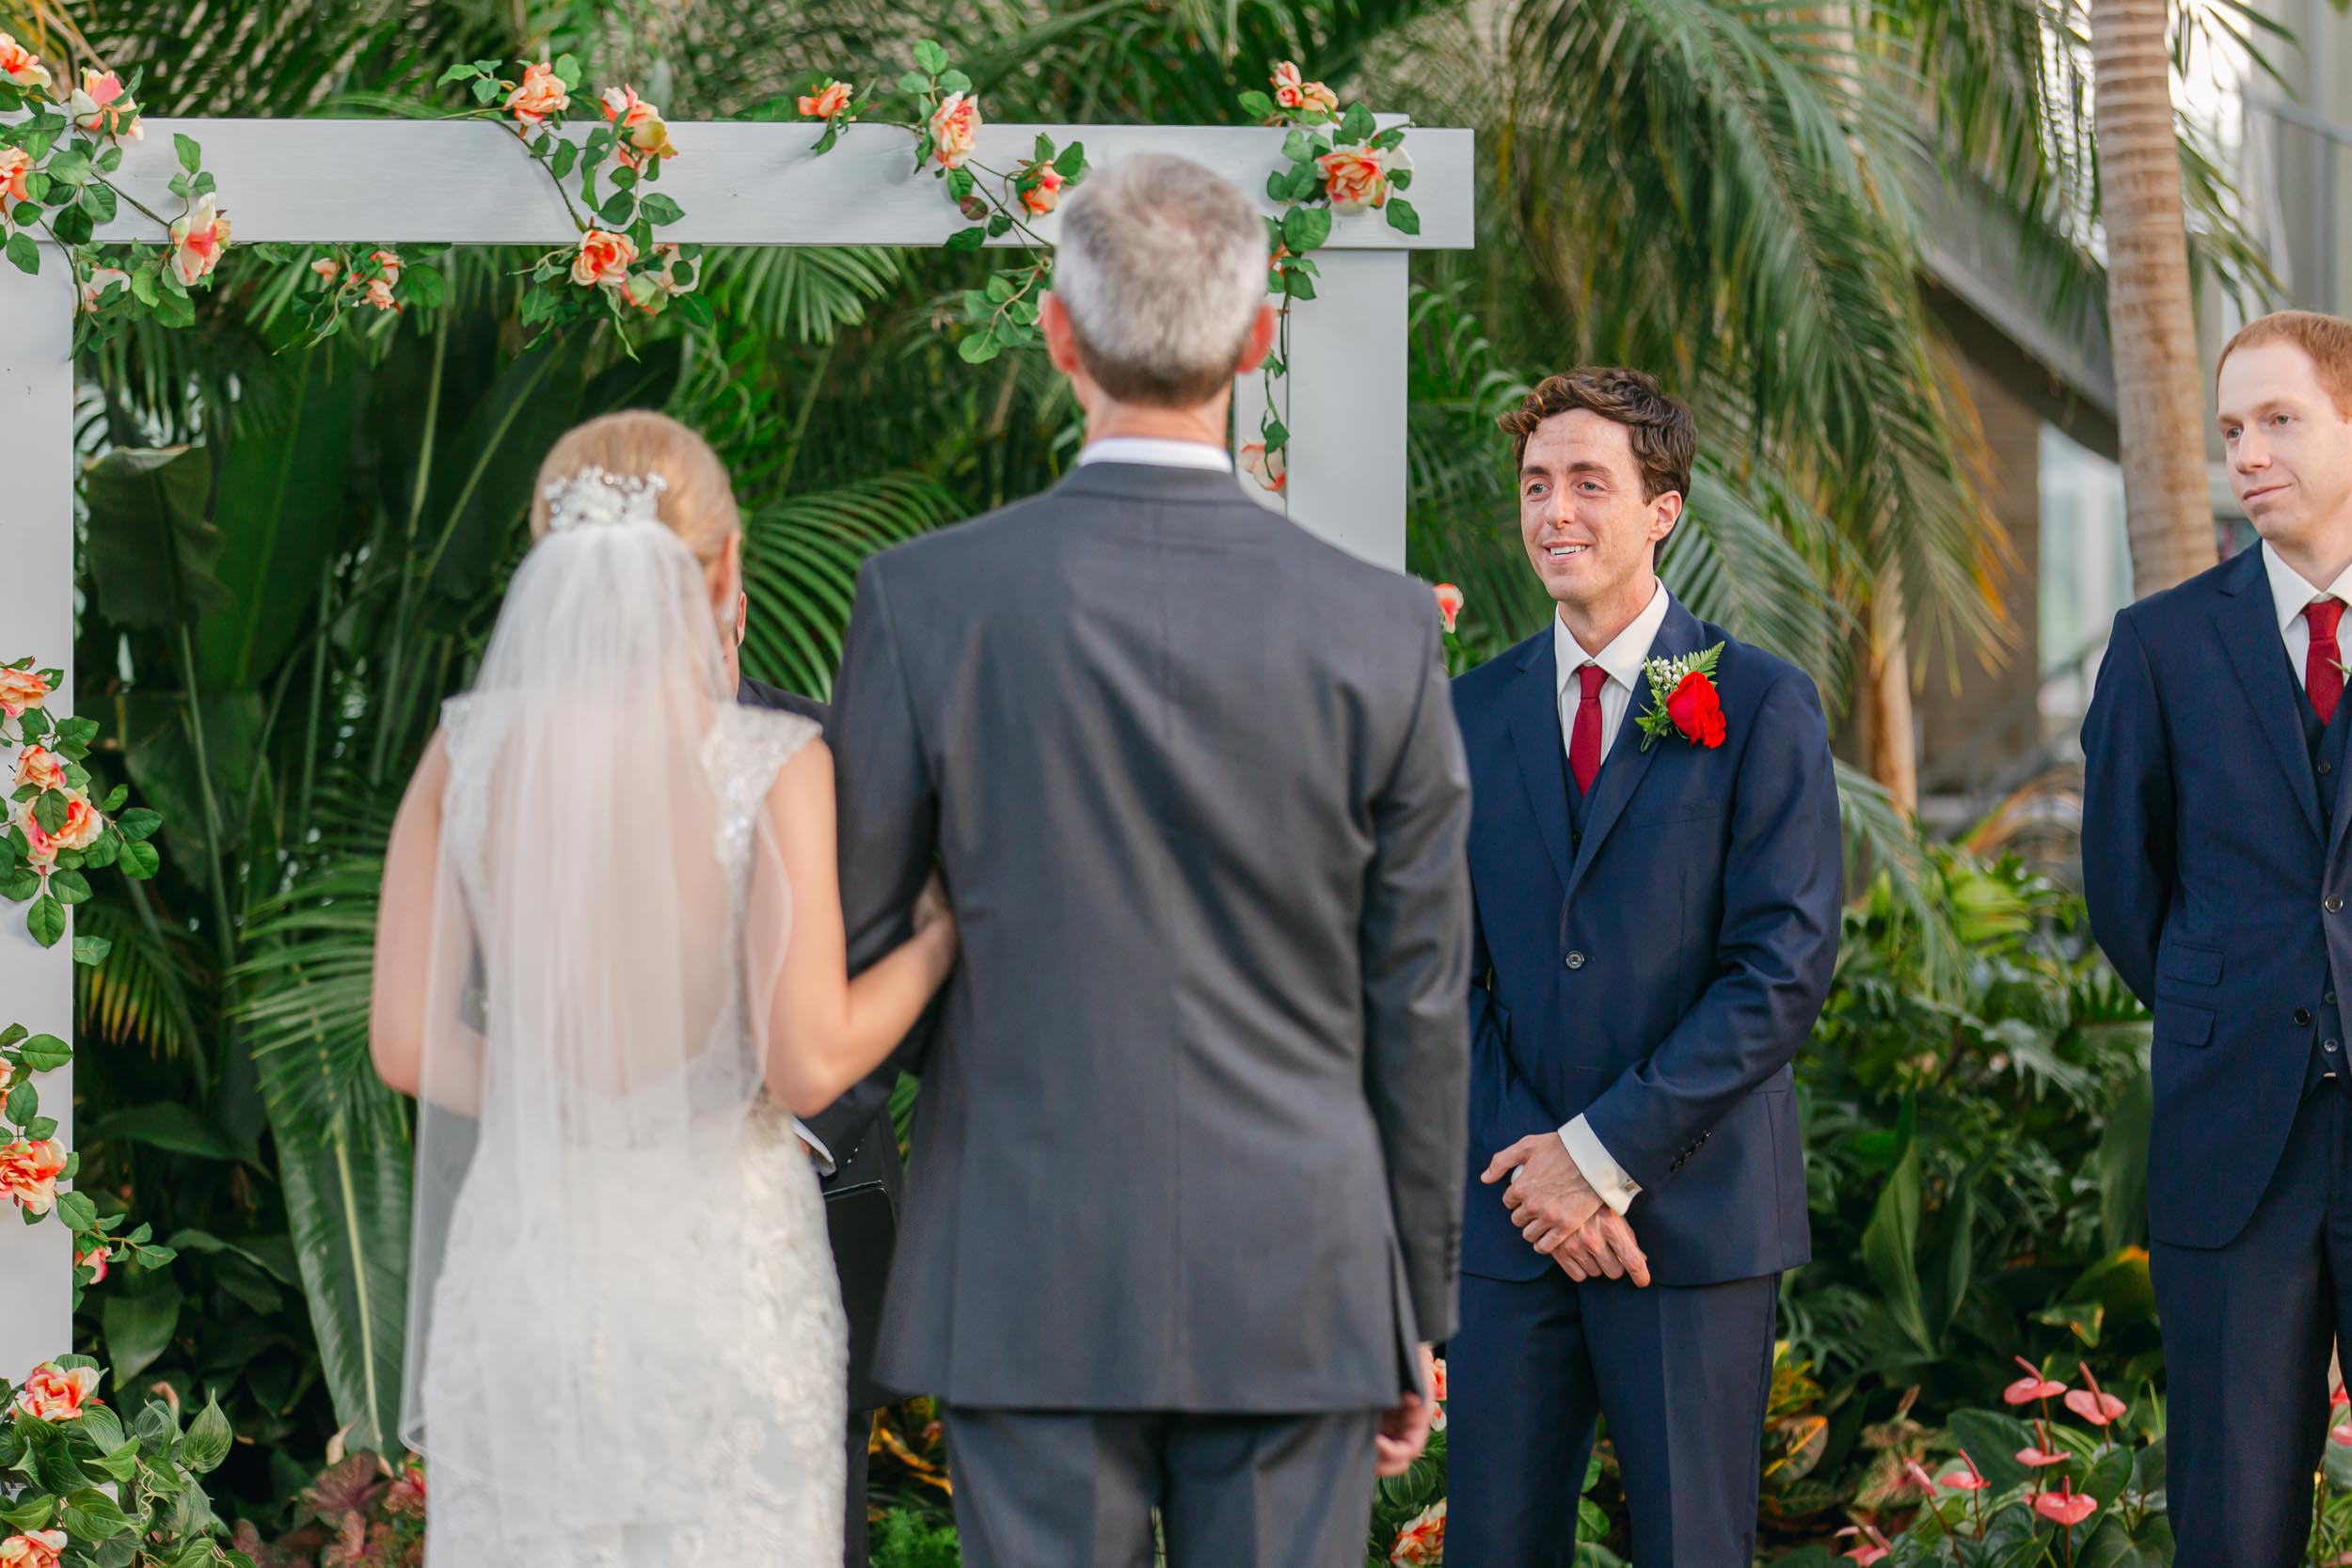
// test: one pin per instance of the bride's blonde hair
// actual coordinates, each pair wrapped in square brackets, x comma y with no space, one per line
[698,503]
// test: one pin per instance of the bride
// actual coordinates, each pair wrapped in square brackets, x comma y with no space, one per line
[610,966]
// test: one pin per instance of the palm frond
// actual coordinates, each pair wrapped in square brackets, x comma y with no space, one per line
[148,990]
[801,558]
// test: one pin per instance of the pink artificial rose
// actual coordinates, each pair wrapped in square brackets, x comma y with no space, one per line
[37,765]
[1357,177]
[199,240]
[19,65]
[30,1173]
[38,1548]
[95,1260]
[638,128]
[603,258]
[1292,92]
[955,128]
[15,164]
[827,102]
[101,108]
[1041,193]
[20,689]
[42,849]
[52,1395]
[539,94]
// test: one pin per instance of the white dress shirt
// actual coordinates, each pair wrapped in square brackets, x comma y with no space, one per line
[1156,452]
[2289,594]
[1621,661]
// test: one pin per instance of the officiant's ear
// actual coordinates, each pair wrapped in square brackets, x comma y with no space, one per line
[742,617]
[1266,329]
[1061,339]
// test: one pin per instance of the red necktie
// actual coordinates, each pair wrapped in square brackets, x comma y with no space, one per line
[1585,735]
[2323,667]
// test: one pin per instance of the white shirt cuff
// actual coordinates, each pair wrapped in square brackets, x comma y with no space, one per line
[822,1157]
[1616,1189]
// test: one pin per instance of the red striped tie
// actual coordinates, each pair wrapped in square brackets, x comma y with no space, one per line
[2323,667]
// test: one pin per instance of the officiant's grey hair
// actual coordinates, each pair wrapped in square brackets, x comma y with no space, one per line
[1162,265]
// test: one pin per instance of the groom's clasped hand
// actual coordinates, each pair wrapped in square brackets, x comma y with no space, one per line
[1560,1214]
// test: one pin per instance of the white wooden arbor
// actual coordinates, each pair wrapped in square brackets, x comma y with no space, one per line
[396,181]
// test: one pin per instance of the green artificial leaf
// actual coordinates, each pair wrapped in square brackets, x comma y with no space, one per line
[1257,105]
[92,951]
[79,1213]
[1305,228]
[930,57]
[71,888]
[140,823]
[45,920]
[567,70]
[966,239]
[25,253]
[140,860]
[45,1054]
[978,348]
[191,155]
[660,209]
[208,1440]
[1402,217]
[89,1514]
[1071,162]
[458,73]
[1356,126]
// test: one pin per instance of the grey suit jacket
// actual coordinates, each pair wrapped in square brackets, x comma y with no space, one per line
[1191,1129]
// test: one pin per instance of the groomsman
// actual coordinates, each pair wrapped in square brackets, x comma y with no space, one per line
[2213,855]
[1657,897]
[850,1142]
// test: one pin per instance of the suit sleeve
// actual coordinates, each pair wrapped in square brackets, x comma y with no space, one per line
[1415,943]
[848,1120]
[887,803]
[1784,884]
[2128,844]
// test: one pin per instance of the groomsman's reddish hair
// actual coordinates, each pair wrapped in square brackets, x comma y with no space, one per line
[2326,339]
[1665,438]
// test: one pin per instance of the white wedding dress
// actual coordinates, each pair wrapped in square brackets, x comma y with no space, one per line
[627,1342]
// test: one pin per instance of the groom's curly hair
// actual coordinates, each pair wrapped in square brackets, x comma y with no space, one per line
[1665,438]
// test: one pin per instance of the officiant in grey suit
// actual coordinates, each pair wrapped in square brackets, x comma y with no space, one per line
[1183,1208]
[852,1143]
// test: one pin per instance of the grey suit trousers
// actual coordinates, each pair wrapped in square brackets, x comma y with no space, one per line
[1077,1489]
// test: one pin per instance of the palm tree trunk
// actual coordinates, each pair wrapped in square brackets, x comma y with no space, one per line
[1890,744]
[2159,387]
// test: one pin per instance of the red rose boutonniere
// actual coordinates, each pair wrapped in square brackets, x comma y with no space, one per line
[1683,700]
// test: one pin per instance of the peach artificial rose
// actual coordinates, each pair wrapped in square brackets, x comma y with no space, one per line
[603,258]
[20,689]
[539,94]
[101,280]
[638,128]
[41,766]
[1272,473]
[42,849]
[1449,609]
[15,164]
[82,824]
[1044,195]
[29,1172]
[53,1395]
[199,240]
[955,128]
[1292,92]
[19,65]
[1357,177]
[328,268]
[378,290]
[103,107]
[94,1260]
[827,102]
[37,1549]
[1422,1539]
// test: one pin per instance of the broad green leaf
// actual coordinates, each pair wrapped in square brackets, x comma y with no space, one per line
[1305,228]
[1889,1250]
[152,550]
[208,1440]
[168,1125]
[45,920]
[139,1326]
[46,1052]
[1402,217]
[347,1201]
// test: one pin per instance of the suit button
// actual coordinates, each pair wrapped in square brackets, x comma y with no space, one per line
[2328,1046]
[1576,960]
[2332,904]
[2330,999]
[2325,768]
[2302,1018]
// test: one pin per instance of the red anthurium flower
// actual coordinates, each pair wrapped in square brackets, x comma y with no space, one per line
[1919,1477]
[2032,1386]
[1869,1547]
[2092,1405]
[1973,1481]
[2065,1506]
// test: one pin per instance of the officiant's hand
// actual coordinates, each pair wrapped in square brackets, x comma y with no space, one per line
[1604,1249]
[1404,1427]
[1549,1197]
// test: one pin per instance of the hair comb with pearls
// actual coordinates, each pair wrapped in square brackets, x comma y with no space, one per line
[592,496]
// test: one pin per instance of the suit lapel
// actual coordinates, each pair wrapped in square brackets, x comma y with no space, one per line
[2248,629]
[1536,739]
[1627,764]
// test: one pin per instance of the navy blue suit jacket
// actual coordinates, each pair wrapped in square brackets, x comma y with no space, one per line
[2210,858]
[1658,978]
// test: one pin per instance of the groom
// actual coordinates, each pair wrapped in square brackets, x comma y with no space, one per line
[1657,891]
[1184,1203]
